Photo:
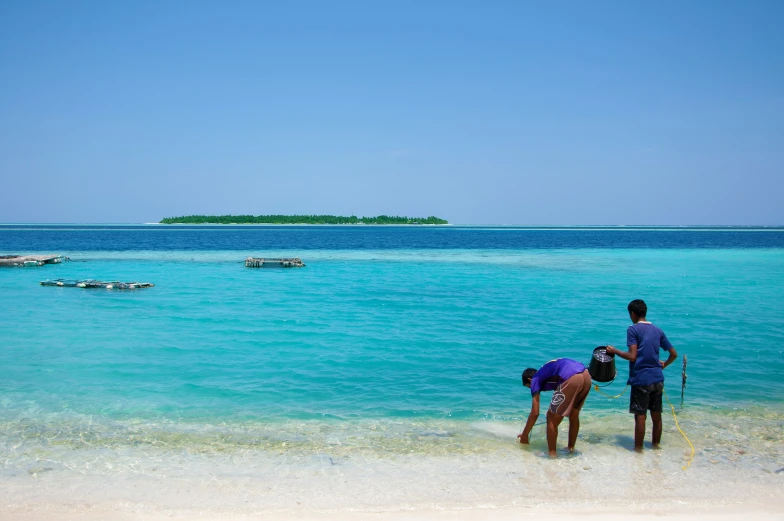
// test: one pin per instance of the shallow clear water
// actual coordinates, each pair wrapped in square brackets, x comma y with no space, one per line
[376,349]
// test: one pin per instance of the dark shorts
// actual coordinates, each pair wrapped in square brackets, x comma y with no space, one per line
[571,394]
[646,398]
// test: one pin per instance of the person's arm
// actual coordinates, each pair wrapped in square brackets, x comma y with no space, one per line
[665,344]
[532,417]
[630,355]
[670,359]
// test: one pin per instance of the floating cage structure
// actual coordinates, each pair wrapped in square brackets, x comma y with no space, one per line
[28,261]
[90,283]
[256,262]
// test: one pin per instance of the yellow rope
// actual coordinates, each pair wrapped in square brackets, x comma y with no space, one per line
[682,433]
[607,395]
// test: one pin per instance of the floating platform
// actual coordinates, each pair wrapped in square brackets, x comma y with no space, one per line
[255,262]
[27,261]
[90,283]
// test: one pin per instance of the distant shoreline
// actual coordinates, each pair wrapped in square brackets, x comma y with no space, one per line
[524,227]
[298,219]
[295,224]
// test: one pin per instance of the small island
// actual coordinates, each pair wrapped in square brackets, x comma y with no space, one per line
[299,219]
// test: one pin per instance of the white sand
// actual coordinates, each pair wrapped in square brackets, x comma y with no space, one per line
[544,512]
[255,486]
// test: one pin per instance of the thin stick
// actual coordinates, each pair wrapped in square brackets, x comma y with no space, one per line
[683,377]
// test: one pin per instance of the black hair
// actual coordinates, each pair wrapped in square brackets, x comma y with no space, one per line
[528,374]
[638,307]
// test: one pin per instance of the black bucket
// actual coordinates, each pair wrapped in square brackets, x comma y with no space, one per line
[602,366]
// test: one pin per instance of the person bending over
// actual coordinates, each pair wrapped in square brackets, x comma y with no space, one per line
[646,375]
[570,382]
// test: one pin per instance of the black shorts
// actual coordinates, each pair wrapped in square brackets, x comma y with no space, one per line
[646,398]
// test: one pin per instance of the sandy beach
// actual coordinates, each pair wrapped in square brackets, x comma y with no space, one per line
[510,482]
[673,512]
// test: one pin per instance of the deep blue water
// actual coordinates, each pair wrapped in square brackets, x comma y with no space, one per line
[19,238]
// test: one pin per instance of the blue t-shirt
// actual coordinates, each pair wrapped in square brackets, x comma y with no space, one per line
[554,373]
[646,370]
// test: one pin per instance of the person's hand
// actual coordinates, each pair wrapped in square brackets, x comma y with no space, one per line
[610,350]
[523,438]
[663,364]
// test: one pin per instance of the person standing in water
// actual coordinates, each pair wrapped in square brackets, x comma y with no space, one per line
[646,375]
[570,382]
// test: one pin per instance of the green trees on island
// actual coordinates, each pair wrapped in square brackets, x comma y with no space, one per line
[299,219]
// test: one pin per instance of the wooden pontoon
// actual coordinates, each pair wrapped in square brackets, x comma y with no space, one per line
[27,261]
[254,262]
[90,283]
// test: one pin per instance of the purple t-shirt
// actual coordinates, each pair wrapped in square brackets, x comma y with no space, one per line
[646,370]
[554,373]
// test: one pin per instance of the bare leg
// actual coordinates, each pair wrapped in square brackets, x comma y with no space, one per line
[657,428]
[574,428]
[553,421]
[639,431]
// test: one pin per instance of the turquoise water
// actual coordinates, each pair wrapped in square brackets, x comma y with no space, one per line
[377,334]
[372,354]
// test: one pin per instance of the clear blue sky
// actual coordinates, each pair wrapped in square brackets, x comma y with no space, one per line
[478,112]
